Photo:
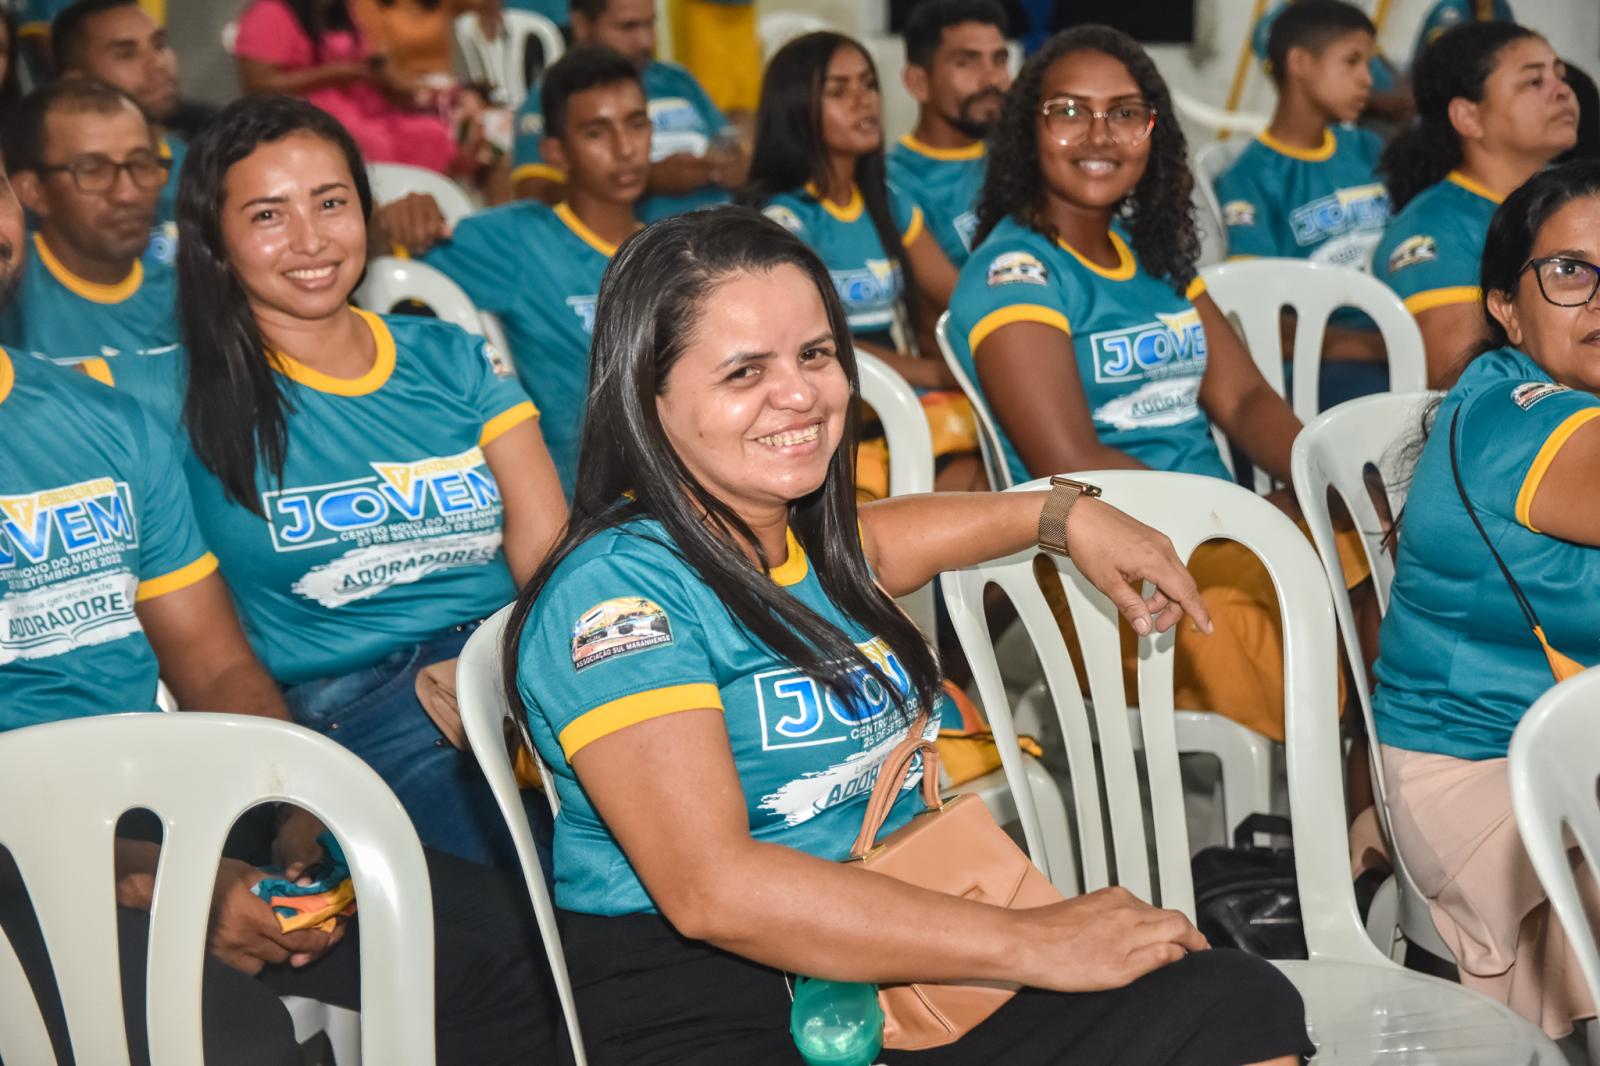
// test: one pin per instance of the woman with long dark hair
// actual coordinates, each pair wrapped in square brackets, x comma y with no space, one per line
[1493,109]
[372,485]
[1501,529]
[714,668]
[317,50]
[1090,336]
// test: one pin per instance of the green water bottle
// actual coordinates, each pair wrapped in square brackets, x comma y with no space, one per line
[836,1023]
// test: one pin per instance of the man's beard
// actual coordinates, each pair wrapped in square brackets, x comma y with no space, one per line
[968,123]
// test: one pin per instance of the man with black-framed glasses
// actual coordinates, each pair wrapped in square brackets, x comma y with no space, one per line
[98,282]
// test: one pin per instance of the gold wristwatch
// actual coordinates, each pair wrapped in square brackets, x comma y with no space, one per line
[1064,492]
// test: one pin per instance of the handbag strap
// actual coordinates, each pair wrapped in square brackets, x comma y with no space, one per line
[892,776]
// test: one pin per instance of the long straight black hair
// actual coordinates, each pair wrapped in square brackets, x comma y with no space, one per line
[319,18]
[789,150]
[235,408]
[648,313]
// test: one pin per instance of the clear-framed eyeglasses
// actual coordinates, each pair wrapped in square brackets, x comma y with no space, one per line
[1564,281]
[1069,121]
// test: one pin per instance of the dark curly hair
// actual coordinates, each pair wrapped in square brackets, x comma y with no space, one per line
[1456,64]
[1158,215]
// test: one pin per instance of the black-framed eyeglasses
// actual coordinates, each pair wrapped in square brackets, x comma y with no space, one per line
[1564,281]
[96,173]
[1069,121]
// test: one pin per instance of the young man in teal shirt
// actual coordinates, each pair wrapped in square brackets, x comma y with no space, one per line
[118,43]
[1307,187]
[539,267]
[97,283]
[957,69]
[694,157]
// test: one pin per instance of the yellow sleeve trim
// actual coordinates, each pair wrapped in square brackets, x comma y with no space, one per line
[1542,461]
[913,229]
[619,714]
[538,170]
[1427,301]
[1196,288]
[180,578]
[34,29]
[98,369]
[507,419]
[992,321]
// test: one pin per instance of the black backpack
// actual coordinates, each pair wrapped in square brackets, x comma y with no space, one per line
[1245,896]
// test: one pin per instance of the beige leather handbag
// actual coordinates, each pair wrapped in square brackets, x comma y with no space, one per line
[956,848]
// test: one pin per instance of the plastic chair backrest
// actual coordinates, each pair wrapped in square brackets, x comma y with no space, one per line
[391,181]
[1190,510]
[391,282]
[780,27]
[484,710]
[1254,292]
[1215,118]
[1210,162]
[905,428]
[503,62]
[994,459]
[198,772]
[1553,767]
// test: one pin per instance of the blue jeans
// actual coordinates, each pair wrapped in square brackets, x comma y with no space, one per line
[374,712]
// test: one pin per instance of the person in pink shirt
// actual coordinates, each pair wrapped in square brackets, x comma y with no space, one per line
[314,49]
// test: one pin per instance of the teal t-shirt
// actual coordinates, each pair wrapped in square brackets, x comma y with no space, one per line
[94,518]
[174,151]
[1326,204]
[869,283]
[58,312]
[557,11]
[386,528]
[1457,664]
[1140,347]
[492,256]
[682,119]
[626,631]
[1430,253]
[944,183]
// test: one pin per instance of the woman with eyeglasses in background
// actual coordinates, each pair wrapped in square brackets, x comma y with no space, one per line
[1501,527]
[1090,336]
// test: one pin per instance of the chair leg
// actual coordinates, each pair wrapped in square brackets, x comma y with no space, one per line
[1246,758]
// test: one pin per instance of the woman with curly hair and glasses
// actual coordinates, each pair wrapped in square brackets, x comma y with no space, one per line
[1093,342]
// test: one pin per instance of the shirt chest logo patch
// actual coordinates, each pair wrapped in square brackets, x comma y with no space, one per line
[1239,213]
[1411,251]
[1010,268]
[786,218]
[1175,344]
[616,627]
[1531,392]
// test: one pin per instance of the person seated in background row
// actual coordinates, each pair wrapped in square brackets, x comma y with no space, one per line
[695,155]
[1499,554]
[716,549]
[315,49]
[818,170]
[90,477]
[1492,111]
[1389,100]
[86,163]
[538,267]
[1094,343]
[372,486]
[1307,187]
[1445,15]
[957,70]
[117,43]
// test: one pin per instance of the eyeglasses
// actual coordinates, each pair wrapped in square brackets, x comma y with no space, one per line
[1069,121]
[96,173]
[1564,282]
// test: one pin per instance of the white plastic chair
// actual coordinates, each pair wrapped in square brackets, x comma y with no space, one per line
[391,282]
[198,772]
[994,459]
[391,181]
[484,710]
[1210,162]
[1334,451]
[1360,1006]
[905,428]
[1553,767]
[1215,118]
[780,27]
[502,62]
[1255,291]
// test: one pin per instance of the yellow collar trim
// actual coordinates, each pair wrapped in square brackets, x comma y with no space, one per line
[7,375]
[163,149]
[370,382]
[1473,187]
[975,150]
[849,212]
[1121,272]
[1318,154]
[792,570]
[89,290]
[588,236]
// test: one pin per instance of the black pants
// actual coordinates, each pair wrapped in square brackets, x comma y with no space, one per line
[649,997]
[494,1001]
